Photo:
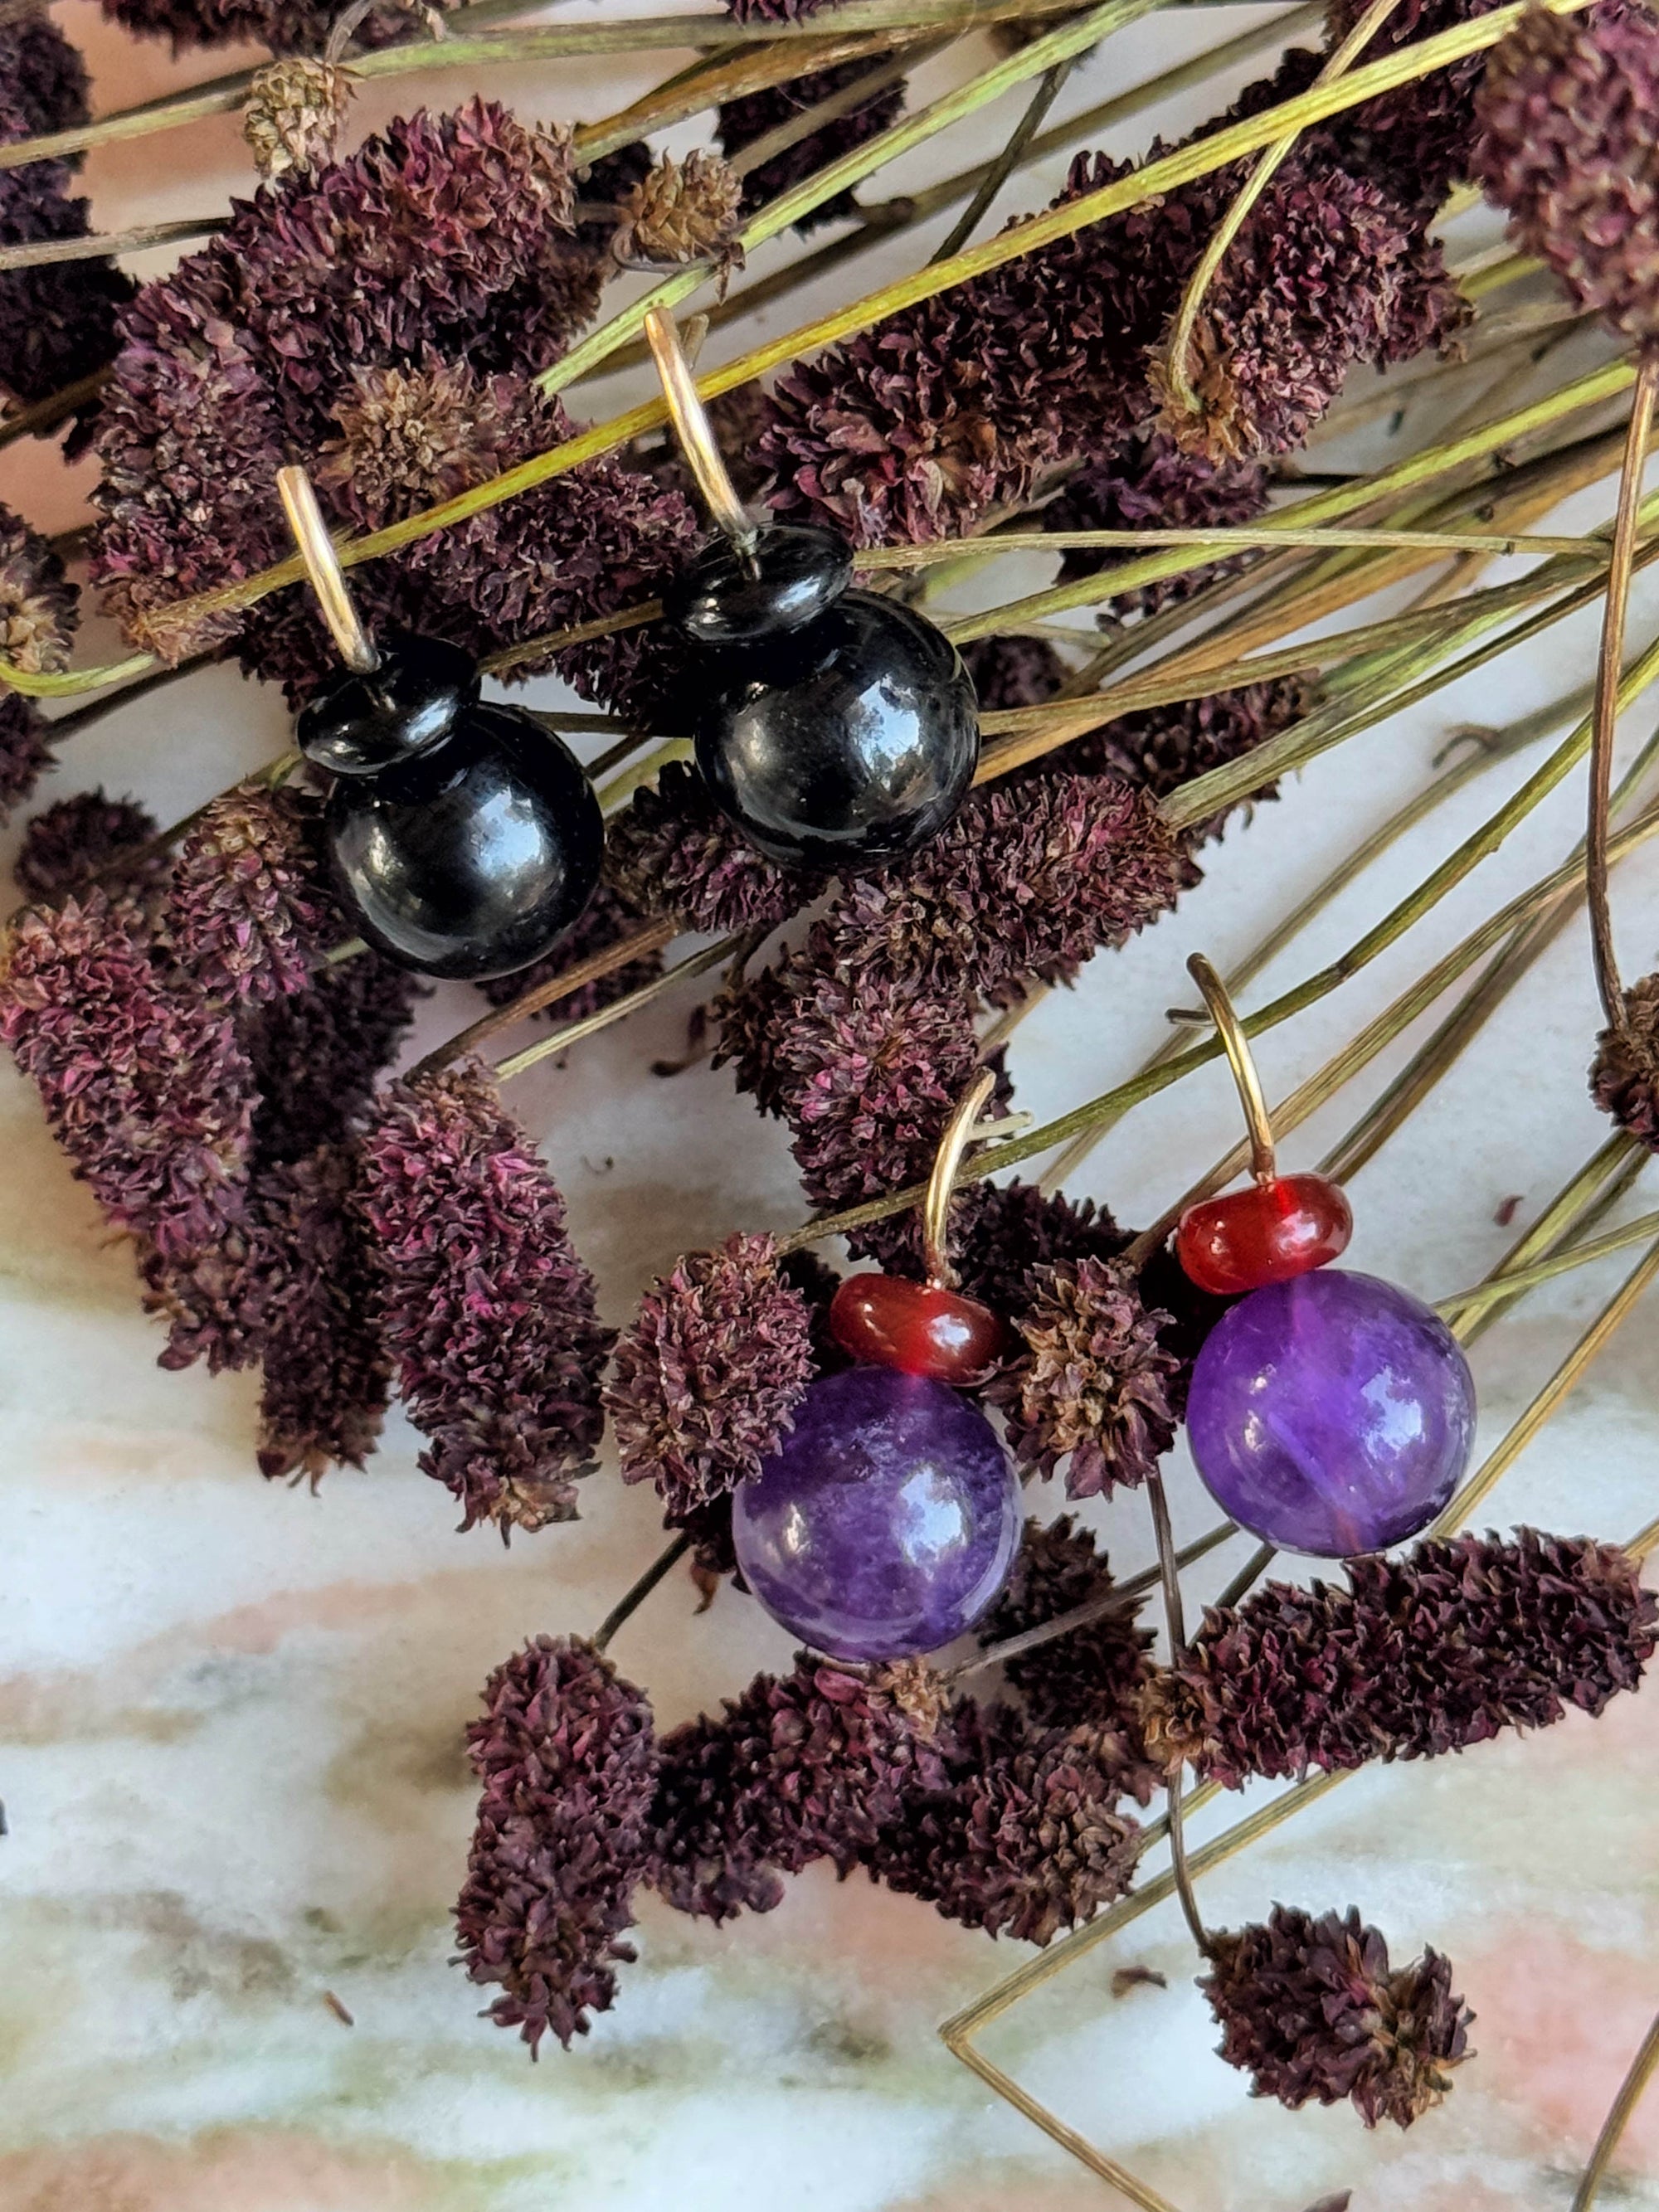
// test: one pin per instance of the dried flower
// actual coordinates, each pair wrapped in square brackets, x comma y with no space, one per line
[1433,1652]
[1311,2010]
[1624,1074]
[741,122]
[1566,144]
[143,1083]
[38,613]
[685,211]
[25,755]
[999,1233]
[1149,483]
[246,915]
[1161,748]
[296,112]
[326,1371]
[318,1055]
[708,1375]
[284,26]
[1013,671]
[1023,1840]
[567,1760]
[482,1300]
[1094,1385]
[1091,1678]
[75,839]
[672,850]
[607,918]
[810,1766]
[43,78]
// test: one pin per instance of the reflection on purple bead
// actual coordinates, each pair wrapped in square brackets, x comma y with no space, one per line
[1331,1414]
[885,1522]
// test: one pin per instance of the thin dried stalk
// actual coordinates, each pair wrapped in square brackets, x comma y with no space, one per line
[1619,2117]
[650,938]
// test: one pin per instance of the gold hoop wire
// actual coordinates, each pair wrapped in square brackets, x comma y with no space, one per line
[959,1133]
[1236,1046]
[305,519]
[694,431]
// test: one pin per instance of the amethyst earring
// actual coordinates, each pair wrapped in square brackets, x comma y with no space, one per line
[464,839]
[886,1522]
[1330,1412]
[836,727]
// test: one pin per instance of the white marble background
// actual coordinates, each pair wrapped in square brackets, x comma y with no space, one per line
[230,1714]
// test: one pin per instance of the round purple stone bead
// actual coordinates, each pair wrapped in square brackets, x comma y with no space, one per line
[885,1522]
[1331,1414]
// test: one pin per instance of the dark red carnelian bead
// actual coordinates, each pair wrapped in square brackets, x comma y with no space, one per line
[1263,1235]
[917,1327]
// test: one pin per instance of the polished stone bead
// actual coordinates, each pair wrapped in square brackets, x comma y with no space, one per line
[920,1329]
[885,1522]
[788,577]
[843,744]
[1263,1234]
[474,858]
[358,725]
[1331,1414]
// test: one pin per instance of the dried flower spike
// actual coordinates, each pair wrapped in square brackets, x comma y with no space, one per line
[482,1300]
[1095,1386]
[686,210]
[246,915]
[296,109]
[39,612]
[1311,2010]
[670,850]
[70,842]
[567,1760]
[1624,1074]
[707,1377]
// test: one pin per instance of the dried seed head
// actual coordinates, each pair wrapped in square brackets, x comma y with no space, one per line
[295,113]
[1625,1073]
[685,211]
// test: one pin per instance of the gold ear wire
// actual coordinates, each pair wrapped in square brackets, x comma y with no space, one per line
[959,1133]
[305,519]
[1236,1046]
[694,431]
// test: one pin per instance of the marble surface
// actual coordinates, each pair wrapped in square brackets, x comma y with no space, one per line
[230,1714]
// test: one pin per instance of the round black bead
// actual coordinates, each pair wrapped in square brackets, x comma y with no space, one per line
[785,579]
[472,859]
[849,741]
[361,724]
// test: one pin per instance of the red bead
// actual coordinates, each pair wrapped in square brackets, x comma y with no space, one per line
[1265,1234]
[917,1327]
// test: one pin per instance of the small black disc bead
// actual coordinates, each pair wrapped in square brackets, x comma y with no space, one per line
[361,724]
[786,577]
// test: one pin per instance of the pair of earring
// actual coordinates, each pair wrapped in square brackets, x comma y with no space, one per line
[835,728]
[1329,1412]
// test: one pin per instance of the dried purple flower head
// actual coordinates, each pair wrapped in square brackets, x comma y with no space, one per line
[672,850]
[741,122]
[998,1235]
[284,25]
[567,1760]
[1566,143]
[318,1055]
[143,1083]
[607,919]
[295,111]
[39,612]
[247,915]
[686,210]
[1462,1638]
[75,839]
[1092,1677]
[57,322]
[1013,671]
[1161,748]
[1312,2011]
[811,1765]
[1022,1839]
[1094,1385]
[1150,484]
[326,1372]
[482,1300]
[709,1373]
[1625,1073]
[468,276]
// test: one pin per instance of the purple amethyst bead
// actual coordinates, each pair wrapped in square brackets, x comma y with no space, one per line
[885,1522]
[1331,1414]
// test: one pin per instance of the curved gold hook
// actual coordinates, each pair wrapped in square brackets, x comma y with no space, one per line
[305,519]
[959,1133]
[1236,1046]
[694,429]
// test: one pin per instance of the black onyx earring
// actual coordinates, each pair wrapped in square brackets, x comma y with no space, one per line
[465,838]
[837,727]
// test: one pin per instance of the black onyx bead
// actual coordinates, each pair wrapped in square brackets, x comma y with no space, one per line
[362,724]
[787,577]
[473,858]
[846,743]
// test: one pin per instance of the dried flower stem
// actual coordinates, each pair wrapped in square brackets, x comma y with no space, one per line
[633,1598]
[561,1040]
[1179,348]
[1618,2116]
[650,938]
[1168,1572]
[1555,1222]
[1031,122]
[95,244]
[1607,691]
[1477,1300]
[47,414]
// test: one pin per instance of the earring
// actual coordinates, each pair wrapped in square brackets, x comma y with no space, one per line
[886,1522]
[836,728]
[1329,1412]
[464,839]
